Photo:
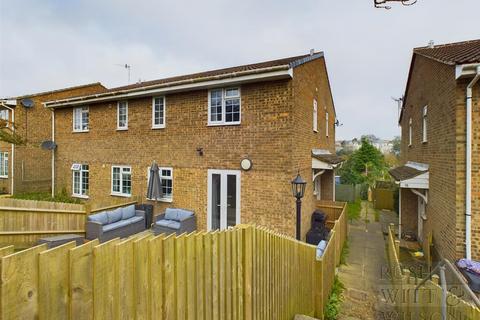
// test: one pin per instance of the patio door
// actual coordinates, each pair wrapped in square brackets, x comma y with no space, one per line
[421,214]
[223,199]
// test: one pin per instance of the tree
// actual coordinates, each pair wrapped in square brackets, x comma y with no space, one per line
[8,134]
[365,165]
[396,146]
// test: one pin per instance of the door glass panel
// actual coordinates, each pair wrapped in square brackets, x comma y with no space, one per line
[231,200]
[215,201]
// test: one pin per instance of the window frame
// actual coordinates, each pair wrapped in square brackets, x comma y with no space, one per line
[410,132]
[80,182]
[162,125]
[121,193]
[162,199]
[223,122]
[315,115]
[424,124]
[118,115]
[7,113]
[326,124]
[84,109]
[4,165]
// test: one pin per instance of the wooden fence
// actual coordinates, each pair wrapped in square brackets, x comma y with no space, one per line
[426,303]
[23,222]
[243,273]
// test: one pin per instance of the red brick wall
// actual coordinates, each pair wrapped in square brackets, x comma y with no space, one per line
[311,82]
[433,84]
[274,115]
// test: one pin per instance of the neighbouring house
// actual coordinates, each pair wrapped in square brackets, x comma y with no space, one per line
[28,167]
[228,142]
[440,149]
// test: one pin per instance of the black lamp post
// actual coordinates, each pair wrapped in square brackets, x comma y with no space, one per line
[298,190]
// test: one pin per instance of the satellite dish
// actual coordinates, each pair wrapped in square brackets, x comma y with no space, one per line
[48,145]
[27,103]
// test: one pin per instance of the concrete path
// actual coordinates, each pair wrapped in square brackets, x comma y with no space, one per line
[364,275]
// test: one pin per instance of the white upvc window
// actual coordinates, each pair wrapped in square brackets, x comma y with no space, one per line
[4,116]
[122,115]
[122,181]
[326,124]
[224,106]
[3,164]
[315,115]
[80,119]
[166,179]
[158,112]
[410,132]
[80,180]
[424,124]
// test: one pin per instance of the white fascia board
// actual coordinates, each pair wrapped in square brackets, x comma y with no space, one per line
[466,70]
[267,76]
[418,182]
[317,164]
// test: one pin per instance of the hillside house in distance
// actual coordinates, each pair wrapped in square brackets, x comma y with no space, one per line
[228,142]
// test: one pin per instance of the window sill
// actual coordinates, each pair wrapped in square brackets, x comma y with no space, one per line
[80,196]
[3,177]
[223,124]
[121,195]
[169,200]
[424,142]
[158,127]
[122,129]
[80,131]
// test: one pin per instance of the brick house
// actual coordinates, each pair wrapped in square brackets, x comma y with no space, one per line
[28,167]
[434,144]
[203,130]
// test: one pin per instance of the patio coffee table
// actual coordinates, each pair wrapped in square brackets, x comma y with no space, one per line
[55,241]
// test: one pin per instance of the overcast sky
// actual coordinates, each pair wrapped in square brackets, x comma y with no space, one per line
[52,44]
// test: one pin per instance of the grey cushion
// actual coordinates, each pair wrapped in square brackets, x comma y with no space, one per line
[183,214]
[177,214]
[114,215]
[168,224]
[128,212]
[115,225]
[170,214]
[134,219]
[99,217]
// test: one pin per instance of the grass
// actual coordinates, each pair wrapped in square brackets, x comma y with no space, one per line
[377,215]
[332,309]
[345,252]
[46,196]
[353,210]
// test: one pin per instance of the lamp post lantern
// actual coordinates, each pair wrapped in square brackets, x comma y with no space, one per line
[298,190]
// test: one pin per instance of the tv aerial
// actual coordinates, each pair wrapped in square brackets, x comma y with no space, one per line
[383,4]
[127,67]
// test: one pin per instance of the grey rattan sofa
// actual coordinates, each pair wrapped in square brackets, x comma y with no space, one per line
[119,222]
[175,221]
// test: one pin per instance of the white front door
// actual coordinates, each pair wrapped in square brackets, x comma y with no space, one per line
[421,214]
[223,203]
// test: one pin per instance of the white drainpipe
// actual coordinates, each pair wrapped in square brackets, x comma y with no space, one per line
[468,173]
[53,153]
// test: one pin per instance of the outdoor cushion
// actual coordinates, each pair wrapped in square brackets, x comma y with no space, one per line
[168,224]
[170,214]
[99,217]
[183,214]
[177,214]
[128,212]
[134,219]
[115,225]
[114,215]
